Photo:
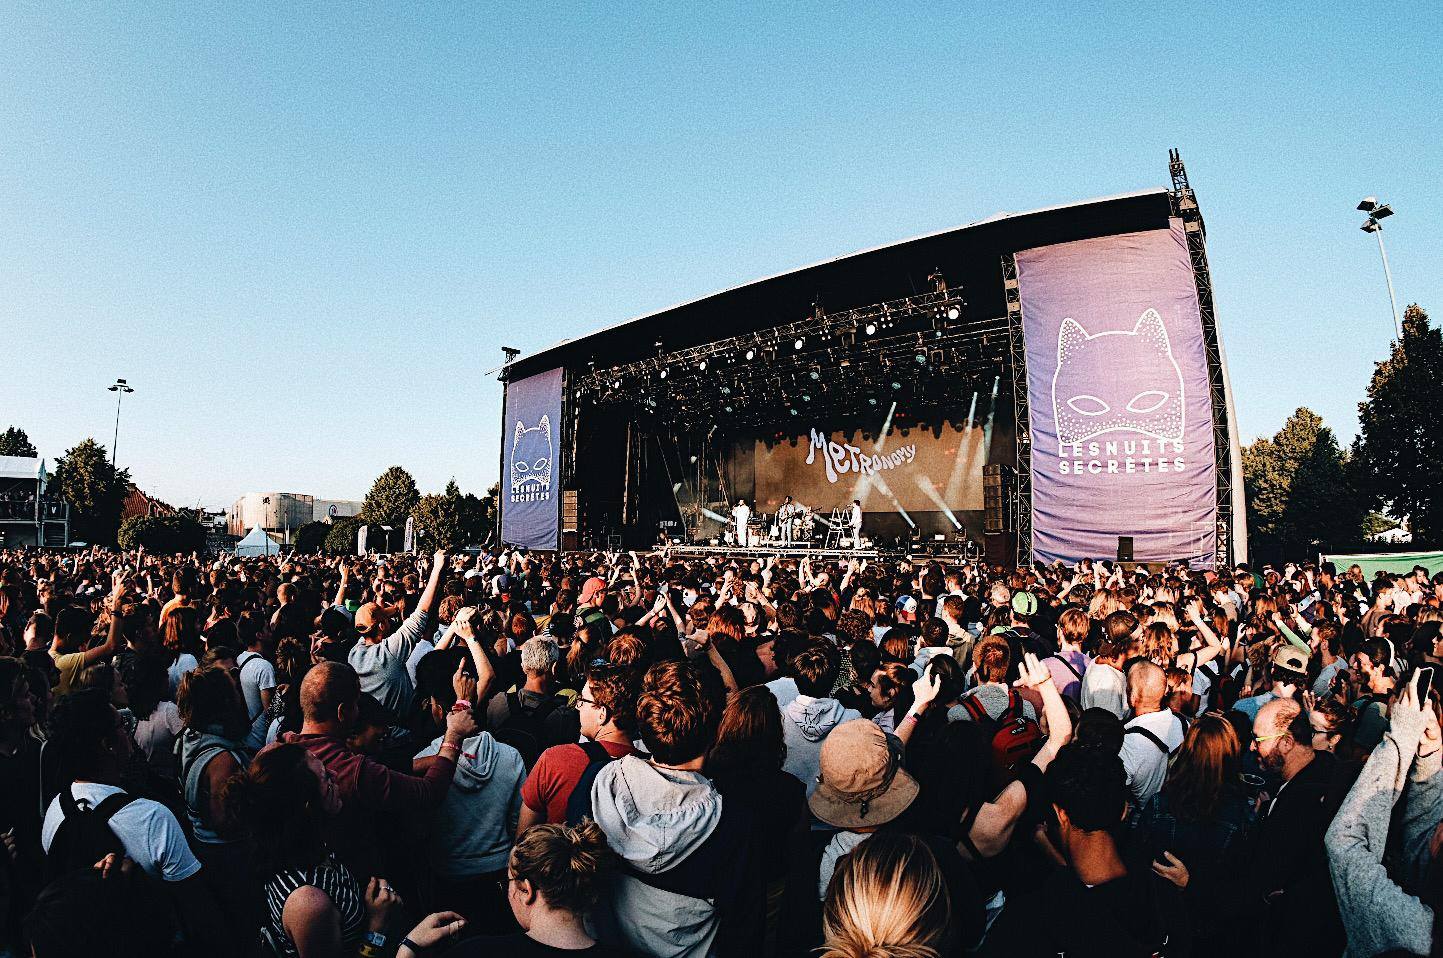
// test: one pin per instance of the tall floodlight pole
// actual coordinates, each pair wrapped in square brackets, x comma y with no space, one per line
[120,389]
[1377,211]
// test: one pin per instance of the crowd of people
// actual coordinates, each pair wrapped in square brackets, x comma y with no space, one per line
[618,754]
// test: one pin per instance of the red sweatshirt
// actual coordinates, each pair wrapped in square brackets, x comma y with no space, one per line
[371,792]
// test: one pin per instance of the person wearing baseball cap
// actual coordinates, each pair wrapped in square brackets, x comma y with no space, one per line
[1289,672]
[588,603]
[906,610]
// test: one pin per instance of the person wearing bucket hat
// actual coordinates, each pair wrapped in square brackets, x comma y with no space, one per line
[862,789]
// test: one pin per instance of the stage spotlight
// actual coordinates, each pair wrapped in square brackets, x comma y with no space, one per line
[792,411]
[871,400]
[801,341]
[616,384]
[806,397]
[896,385]
[727,408]
[921,359]
[816,373]
[751,354]
[871,329]
[701,365]
[663,374]
[954,313]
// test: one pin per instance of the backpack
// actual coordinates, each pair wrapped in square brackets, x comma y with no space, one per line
[1015,737]
[84,836]
[578,805]
[524,728]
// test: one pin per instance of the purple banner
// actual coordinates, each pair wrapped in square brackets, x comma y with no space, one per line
[1117,382]
[530,473]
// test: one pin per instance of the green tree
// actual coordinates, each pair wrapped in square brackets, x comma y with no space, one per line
[311,537]
[1400,440]
[439,517]
[96,491]
[341,538]
[171,532]
[1298,490]
[392,497]
[478,516]
[14,442]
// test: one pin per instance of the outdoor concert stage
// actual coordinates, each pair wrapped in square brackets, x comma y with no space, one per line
[1050,384]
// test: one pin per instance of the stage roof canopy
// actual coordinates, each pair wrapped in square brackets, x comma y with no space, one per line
[967,256]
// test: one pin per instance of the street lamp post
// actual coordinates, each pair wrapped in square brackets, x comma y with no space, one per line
[120,389]
[1377,211]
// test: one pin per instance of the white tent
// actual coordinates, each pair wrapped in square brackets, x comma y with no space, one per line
[257,543]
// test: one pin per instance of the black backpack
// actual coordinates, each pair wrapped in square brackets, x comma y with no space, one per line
[525,729]
[578,805]
[84,836]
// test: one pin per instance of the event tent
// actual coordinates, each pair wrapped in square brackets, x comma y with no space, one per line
[257,543]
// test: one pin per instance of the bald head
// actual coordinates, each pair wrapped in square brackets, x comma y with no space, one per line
[328,690]
[1275,717]
[1146,686]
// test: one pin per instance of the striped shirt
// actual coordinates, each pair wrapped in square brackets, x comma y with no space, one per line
[331,877]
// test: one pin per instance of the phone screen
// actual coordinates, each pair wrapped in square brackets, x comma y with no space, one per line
[1425,681]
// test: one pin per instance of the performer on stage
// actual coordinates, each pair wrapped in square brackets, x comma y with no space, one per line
[741,513]
[786,520]
[856,523]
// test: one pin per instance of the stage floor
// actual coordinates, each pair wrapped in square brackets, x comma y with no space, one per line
[810,552]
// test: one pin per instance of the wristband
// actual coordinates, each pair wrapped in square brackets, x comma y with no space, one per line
[460,706]
[450,745]
[408,943]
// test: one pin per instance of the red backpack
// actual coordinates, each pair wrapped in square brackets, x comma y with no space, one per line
[1015,737]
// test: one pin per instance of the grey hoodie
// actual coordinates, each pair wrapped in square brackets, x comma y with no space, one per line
[805,723]
[473,830]
[655,818]
[1379,915]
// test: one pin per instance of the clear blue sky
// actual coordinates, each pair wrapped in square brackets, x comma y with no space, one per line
[303,231]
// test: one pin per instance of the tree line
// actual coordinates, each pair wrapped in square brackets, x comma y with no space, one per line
[1305,493]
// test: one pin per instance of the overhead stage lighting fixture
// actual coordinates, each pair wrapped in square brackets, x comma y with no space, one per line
[751,354]
[871,329]
[801,341]
[701,365]
[663,374]
[954,313]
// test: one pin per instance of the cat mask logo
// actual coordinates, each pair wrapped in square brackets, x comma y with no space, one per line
[1117,381]
[531,456]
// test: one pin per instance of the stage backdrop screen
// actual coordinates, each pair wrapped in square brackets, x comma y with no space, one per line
[530,473]
[1117,384]
[919,472]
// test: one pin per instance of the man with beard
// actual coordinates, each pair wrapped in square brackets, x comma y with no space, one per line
[1284,892]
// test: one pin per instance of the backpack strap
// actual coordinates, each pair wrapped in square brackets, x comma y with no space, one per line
[1014,708]
[110,805]
[975,709]
[595,751]
[1063,659]
[1139,730]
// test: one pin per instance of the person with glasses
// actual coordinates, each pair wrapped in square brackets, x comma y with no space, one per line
[1282,895]
[605,710]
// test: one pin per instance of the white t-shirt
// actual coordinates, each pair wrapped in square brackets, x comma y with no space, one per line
[1144,762]
[256,675]
[185,662]
[155,736]
[147,830]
